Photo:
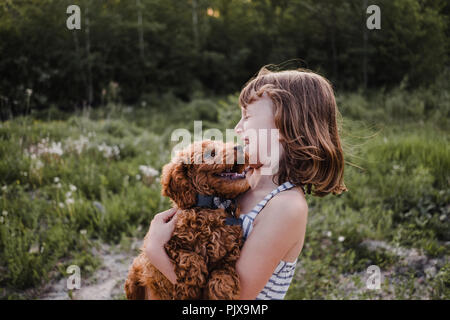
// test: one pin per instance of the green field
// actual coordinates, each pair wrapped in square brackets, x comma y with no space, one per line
[70,181]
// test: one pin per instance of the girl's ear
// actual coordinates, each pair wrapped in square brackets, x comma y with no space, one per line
[177,185]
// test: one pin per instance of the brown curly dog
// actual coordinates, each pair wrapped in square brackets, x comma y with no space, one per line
[203,180]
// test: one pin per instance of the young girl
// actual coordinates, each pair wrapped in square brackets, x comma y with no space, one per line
[301,105]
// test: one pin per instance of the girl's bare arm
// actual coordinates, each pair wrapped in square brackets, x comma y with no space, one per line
[269,241]
[159,233]
[159,258]
[283,225]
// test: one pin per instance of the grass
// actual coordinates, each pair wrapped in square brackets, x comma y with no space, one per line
[69,180]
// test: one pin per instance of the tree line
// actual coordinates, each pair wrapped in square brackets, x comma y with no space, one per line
[130,48]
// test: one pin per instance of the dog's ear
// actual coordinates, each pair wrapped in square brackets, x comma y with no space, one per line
[177,185]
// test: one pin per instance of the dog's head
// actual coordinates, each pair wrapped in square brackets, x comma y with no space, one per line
[205,167]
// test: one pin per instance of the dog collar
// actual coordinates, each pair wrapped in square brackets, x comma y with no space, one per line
[233,221]
[216,202]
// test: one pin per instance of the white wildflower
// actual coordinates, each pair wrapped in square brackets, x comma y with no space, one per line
[56,148]
[116,150]
[61,205]
[34,248]
[108,151]
[442,217]
[59,185]
[84,231]
[148,171]
[45,147]
[68,194]
[341,238]
[4,213]
[55,179]
[70,201]
[103,148]
[78,145]
[39,164]
[4,188]
[72,188]
[329,234]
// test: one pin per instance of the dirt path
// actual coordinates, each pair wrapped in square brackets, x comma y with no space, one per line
[107,281]
[410,259]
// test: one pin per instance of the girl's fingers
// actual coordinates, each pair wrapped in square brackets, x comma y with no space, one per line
[166,215]
[174,217]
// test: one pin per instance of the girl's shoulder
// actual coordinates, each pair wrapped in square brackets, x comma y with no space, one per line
[292,201]
[284,217]
[293,197]
[289,205]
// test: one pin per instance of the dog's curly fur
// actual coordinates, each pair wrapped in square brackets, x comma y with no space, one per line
[203,248]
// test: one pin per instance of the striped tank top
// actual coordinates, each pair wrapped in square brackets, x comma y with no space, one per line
[281,278]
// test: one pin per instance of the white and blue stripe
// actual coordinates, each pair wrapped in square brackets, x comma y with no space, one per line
[279,282]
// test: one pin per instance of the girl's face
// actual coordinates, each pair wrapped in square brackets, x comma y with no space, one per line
[258,132]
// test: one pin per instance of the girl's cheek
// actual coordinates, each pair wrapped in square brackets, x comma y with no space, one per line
[249,124]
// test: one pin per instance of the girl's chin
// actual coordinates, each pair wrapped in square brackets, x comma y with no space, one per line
[255,166]
[248,172]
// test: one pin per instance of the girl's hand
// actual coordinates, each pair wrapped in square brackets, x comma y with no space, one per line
[161,229]
[158,234]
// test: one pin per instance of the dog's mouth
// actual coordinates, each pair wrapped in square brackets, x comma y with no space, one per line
[234,173]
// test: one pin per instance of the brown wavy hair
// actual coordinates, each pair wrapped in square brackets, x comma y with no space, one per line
[306,116]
